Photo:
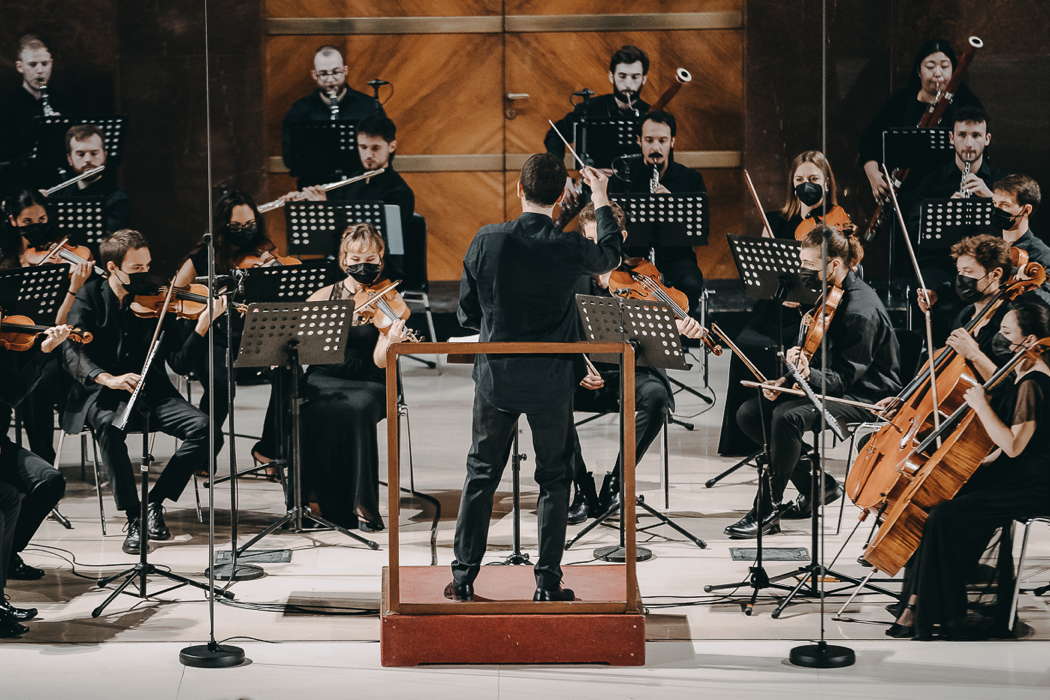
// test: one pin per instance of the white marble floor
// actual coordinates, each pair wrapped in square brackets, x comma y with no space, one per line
[697,641]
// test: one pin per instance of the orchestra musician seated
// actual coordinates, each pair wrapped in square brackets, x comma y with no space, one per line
[85,150]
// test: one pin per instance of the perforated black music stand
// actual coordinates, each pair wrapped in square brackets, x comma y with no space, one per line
[768,268]
[50,132]
[650,328]
[287,335]
[327,148]
[287,283]
[600,141]
[908,147]
[36,292]
[316,227]
[943,222]
[676,219]
[82,219]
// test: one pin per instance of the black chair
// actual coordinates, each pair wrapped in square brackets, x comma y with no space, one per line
[416,285]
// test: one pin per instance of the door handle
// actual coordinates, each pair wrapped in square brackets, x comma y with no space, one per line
[509,111]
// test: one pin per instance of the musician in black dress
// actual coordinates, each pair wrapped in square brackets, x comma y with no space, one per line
[517,286]
[1012,483]
[811,195]
[1016,197]
[29,486]
[345,402]
[333,100]
[86,149]
[863,365]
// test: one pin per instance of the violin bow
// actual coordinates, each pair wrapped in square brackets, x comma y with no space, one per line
[767,232]
[926,314]
[739,353]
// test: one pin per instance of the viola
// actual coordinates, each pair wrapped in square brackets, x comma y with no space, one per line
[185,302]
[381,305]
[643,282]
[264,258]
[18,333]
[836,217]
[60,252]
[816,321]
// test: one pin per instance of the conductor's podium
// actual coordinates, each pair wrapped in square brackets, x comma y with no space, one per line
[503,625]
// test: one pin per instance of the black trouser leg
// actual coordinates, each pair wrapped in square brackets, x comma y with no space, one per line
[222,393]
[493,434]
[10,505]
[175,416]
[552,443]
[112,445]
[43,486]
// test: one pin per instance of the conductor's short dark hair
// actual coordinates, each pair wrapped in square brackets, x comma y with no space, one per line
[543,179]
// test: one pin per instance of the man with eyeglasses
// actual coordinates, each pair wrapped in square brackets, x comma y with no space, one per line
[333,100]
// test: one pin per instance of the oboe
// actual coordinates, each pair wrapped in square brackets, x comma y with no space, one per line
[654,181]
[333,103]
[965,172]
[49,111]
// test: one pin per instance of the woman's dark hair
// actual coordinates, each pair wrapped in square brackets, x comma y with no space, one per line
[842,244]
[228,200]
[10,239]
[1032,316]
[21,200]
[928,48]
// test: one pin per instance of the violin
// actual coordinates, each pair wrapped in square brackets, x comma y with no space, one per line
[18,333]
[264,258]
[643,282]
[186,302]
[380,304]
[836,217]
[63,251]
[816,321]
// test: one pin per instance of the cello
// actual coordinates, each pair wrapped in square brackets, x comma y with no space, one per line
[875,470]
[933,471]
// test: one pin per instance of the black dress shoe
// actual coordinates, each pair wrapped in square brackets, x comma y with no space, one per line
[899,631]
[373,524]
[20,571]
[16,614]
[461,592]
[801,507]
[155,525]
[133,540]
[747,527]
[609,495]
[9,627]
[553,595]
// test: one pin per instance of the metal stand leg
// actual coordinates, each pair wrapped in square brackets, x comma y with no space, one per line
[742,463]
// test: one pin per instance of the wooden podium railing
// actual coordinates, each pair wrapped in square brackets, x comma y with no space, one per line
[627,450]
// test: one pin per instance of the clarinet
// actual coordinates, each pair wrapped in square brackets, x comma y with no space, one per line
[654,181]
[333,105]
[966,171]
[49,111]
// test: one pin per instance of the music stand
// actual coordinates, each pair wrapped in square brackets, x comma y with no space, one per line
[676,219]
[36,292]
[49,146]
[286,283]
[909,147]
[82,219]
[650,328]
[328,148]
[600,141]
[316,227]
[943,222]
[288,335]
[767,266]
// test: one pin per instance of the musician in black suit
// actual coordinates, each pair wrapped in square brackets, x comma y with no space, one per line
[518,286]
[86,150]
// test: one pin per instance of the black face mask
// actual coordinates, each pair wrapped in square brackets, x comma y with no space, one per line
[138,283]
[966,288]
[809,279]
[809,193]
[242,236]
[1001,347]
[364,273]
[1002,219]
[38,235]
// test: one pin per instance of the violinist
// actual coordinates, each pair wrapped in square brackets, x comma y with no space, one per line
[345,402]
[932,69]
[107,372]
[656,137]
[1012,483]
[86,149]
[863,365]
[810,198]
[1016,197]
[29,486]
[601,392]
[518,285]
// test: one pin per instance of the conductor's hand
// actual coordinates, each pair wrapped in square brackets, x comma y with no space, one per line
[54,336]
[926,298]
[593,381]
[690,327]
[124,382]
[599,184]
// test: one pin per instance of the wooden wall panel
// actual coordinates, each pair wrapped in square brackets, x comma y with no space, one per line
[371,8]
[446,99]
[551,66]
[575,7]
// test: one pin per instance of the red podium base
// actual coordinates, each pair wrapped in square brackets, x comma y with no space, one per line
[504,625]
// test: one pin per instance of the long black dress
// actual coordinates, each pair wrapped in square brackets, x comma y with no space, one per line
[943,571]
[340,450]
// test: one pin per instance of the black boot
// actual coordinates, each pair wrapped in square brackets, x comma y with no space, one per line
[584,501]
[9,627]
[747,527]
[133,540]
[16,614]
[802,507]
[610,493]
[158,529]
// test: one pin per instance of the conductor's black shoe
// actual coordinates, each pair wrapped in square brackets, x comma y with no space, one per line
[553,595]
[155,525]
[802,506]
[747,527]
[461,592]
[20,571]
[16,614]
[133,540]
[9,627]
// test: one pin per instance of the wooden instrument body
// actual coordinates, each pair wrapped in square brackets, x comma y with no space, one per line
[630,285]
[264,259]
[32,257]
[382,308]
[836,217]
[18,333]
[186,302]
[816,321]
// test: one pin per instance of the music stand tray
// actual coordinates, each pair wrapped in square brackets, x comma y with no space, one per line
[288,283]
[676,219]
[316,227]
[943,222]
[36,292]
[765,264]
[908,147]
[50,136]
[83,219]
[603,140]
[288,335]
[650,327]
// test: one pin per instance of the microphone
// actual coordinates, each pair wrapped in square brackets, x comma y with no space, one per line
[586,92]
[378,83]
[231,280]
